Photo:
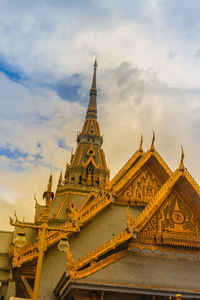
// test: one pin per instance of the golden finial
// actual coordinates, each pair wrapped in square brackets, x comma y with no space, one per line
[60,179]
[36,202]
[11,221]
[152,148]
[141,142]
[48,195]
[49,186]
[181,165]
[95,65]
[178,296]
[15,214]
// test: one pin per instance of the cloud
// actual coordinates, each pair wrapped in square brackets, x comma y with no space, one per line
[139,102]
[38,130]
[59,40]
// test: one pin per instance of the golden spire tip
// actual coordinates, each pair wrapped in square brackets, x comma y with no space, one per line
[152,148]
[181,165]
[141,142]
[60,178]
[95,64]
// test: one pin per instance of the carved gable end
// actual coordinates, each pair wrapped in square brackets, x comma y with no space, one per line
[141,190]
[176,222]
[143,181]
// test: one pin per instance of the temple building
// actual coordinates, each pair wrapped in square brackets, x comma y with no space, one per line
[136,236]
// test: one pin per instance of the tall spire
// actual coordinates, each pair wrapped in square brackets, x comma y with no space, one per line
[92,106]
[88,166]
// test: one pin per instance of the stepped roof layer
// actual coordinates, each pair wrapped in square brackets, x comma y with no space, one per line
[160,272]
[143,273]
[157,273]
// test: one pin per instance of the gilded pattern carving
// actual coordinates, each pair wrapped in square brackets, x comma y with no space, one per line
[174,222]
[143,188]
[152,226]
[177,215]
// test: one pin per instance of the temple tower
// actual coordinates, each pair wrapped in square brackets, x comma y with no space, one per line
[87,168]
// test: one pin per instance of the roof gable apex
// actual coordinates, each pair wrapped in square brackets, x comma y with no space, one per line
[150,172]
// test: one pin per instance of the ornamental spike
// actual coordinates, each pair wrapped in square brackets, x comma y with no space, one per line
[48,195]
[141,143]
[181,165]
[60,179]
[152,148]
[95,65]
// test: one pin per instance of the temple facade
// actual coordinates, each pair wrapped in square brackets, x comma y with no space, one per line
[136,236]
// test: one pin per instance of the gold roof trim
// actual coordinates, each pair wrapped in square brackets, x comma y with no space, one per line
[110,245]
[96,266]
[118,186]
[128,164]
[30,252]
[92,194]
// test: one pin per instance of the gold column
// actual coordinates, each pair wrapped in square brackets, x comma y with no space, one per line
[39,263]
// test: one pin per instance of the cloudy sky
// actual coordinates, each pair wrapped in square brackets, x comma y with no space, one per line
[148,54]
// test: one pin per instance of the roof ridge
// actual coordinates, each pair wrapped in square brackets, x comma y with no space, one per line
[159,157]
[137,166]
[125,168]
[192,181]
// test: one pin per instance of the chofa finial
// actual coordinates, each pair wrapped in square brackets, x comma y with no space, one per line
[60,179]
[48,194]
[181,165]
[152,148]
[141,142]
[95,64]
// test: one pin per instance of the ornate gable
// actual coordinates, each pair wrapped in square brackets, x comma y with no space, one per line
[173,219]
[143,180]
[142,189]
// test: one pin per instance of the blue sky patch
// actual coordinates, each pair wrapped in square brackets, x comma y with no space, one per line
[10,71]
[15,154]
[12,153]
[62,144]
[68,89]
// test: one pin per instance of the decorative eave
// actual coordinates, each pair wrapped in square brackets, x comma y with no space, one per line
[138,166]
[62,289]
